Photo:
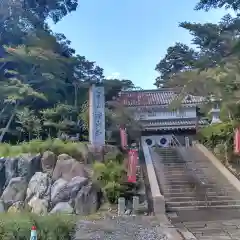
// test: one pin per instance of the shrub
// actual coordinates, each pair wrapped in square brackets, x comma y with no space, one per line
[52,227]
[108,172]
[76,150]
[110,176]
[113,191]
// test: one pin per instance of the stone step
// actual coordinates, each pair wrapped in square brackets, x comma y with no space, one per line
[178,181]
[169,171]
[203,203]
[175,175]
[183,185]
[172,170]
[193,198]
[193,194]
[175,209]
[197,195]
[191,188]
[174,162]
[172,166]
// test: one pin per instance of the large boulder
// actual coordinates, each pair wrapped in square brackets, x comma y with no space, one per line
[68,169]
[63,157]
[87,200]
[2,174]
[63,191]
[11,168]
[62,207]
[39,186]
[17,207]
[2,207]
[39,206]
[15,191]
[28,164]
[48,160]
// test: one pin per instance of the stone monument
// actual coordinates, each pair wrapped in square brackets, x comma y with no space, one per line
[97,116]
[215,111]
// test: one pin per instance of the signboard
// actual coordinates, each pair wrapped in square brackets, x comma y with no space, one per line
[123,137]
[237,141]
[97,116]
[132,165]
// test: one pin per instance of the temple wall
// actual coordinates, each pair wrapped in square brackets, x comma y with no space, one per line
[154,139]
[188,112]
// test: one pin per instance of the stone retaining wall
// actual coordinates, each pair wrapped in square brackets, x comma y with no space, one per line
[157,197]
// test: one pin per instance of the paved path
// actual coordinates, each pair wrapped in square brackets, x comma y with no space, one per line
[208,224]
[125,228]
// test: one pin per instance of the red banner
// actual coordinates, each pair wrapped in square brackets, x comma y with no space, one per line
[123,136]
[132,165]
[237,141]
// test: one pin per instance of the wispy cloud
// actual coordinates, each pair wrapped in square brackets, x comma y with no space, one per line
[114,75]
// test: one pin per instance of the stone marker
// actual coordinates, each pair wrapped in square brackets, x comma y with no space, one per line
[187,143]
[135,204]
[121,206]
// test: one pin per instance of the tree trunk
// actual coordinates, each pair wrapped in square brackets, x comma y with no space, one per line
[2,111]
[9,123]
[75,95]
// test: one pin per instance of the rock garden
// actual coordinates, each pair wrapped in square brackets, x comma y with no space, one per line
[59,183]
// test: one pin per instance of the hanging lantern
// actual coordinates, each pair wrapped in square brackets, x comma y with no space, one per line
[132,165]
[123,137]
[237,141]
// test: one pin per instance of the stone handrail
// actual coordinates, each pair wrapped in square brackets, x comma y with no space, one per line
[217,163]
[157,197]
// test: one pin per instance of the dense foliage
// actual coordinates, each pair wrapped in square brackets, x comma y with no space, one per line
[43,82]
[210,68]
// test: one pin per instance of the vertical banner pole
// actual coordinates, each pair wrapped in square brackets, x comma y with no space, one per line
[132,165]
[97,117]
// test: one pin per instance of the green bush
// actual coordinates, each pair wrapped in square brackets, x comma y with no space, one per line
[110,176]
[113,191]
[51,227]
[76,150]
[215,134]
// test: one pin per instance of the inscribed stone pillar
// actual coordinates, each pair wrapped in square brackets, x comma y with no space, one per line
[97,116]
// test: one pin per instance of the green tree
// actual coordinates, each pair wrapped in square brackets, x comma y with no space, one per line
[208,4]
[29,122]
[178,58]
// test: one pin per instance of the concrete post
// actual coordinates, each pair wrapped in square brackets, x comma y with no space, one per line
[135,204]
[121,206]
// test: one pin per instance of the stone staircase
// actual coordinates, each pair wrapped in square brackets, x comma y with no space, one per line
[189,181]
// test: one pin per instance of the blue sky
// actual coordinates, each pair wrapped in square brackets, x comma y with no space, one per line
[128,37]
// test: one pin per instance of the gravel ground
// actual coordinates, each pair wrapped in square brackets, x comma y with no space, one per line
[120,228]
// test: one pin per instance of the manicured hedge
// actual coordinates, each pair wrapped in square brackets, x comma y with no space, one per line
[52,227]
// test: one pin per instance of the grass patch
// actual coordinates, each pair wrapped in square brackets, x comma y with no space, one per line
[53,227]
[77,150]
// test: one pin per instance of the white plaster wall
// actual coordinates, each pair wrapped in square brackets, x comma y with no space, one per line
[156,140]
[164,114]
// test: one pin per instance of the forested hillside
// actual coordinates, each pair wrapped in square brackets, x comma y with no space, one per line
[44,82]
[211,68]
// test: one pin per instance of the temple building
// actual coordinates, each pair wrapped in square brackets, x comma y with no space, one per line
[158,119]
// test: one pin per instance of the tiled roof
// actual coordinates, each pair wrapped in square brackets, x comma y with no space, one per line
[175,123]
[155,97]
